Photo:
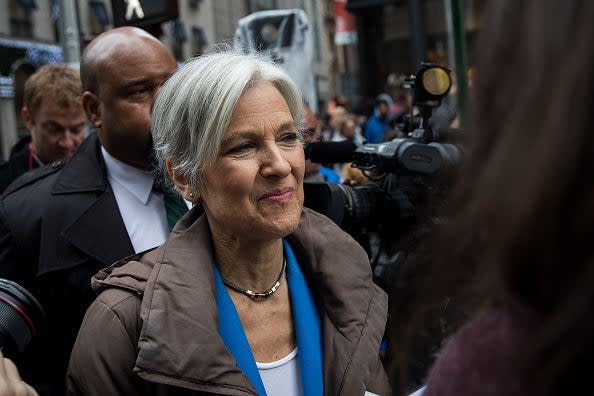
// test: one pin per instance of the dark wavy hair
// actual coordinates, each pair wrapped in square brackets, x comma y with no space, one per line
[521,218]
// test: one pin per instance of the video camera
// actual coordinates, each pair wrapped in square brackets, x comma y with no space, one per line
[403,174]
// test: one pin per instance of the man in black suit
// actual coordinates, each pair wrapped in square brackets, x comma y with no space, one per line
[59,225]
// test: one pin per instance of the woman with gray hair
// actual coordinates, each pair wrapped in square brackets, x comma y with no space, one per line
[251,293]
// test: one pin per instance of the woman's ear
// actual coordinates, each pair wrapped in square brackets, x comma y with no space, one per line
[180,182]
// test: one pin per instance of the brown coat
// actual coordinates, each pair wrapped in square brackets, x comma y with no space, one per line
[153,328]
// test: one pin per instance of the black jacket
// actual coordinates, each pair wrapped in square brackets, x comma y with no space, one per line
[17,164]
[59,225]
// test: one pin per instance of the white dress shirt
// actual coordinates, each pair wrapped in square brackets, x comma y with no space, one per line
[142,210]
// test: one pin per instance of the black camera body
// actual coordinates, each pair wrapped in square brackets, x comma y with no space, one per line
[404,174]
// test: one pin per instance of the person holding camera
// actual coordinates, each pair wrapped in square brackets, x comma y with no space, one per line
[252,293]
[516,251]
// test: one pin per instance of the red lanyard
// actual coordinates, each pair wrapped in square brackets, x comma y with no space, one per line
[30,156]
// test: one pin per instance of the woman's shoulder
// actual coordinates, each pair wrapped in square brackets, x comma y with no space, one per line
[123,304]
[105,350]
[319,239]
[119,299]
[115,316]
[129,274]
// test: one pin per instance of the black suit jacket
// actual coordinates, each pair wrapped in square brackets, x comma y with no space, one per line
[17,164]
[59,225]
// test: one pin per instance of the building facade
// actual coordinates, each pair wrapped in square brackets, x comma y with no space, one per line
[30,36]
[359,46]
[395,36]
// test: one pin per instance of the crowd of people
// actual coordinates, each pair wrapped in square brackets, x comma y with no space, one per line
[172,252]
[342,123]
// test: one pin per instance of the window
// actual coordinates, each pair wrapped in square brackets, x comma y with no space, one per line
[100,15]
[195,4]
[20,18]
[261,5]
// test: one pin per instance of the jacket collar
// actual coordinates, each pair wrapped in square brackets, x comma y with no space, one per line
[98,231]
[20,145]
[136,181]
[86,161]
[352,309]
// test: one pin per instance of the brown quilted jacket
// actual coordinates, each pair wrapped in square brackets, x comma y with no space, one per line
[153,328]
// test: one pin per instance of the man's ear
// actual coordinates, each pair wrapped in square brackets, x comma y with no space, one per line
[181,184]
[92,107]
[27,117]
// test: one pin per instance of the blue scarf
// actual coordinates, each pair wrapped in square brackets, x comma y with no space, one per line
[306,320]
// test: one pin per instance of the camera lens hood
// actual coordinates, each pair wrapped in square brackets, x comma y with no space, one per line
[21,316]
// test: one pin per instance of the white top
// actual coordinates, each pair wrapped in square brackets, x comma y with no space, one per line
[418,392]
[142,210]
[282,377]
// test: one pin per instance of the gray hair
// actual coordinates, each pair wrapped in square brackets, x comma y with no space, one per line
[194,108]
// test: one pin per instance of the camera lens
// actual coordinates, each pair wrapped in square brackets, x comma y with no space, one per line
[364,203]
[21,317]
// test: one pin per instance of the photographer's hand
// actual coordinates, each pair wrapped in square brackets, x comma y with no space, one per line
[11,383]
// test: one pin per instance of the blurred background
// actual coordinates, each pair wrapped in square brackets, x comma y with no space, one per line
[357,48]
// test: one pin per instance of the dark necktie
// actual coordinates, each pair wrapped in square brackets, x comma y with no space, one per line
[175,206]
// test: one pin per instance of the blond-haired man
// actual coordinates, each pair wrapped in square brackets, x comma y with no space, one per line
[54,115]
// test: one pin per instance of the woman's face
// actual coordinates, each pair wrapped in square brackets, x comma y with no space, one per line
[254,189]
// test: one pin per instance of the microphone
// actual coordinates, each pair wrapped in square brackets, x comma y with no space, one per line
[330,152]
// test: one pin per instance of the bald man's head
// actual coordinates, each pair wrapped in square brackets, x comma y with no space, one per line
[106,46]
[122,71]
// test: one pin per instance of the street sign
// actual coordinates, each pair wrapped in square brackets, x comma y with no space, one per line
[345,31]
[143,12]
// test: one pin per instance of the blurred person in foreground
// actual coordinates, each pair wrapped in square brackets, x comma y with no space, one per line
[54,115]
[258,295]
[59,225]
[517,249]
